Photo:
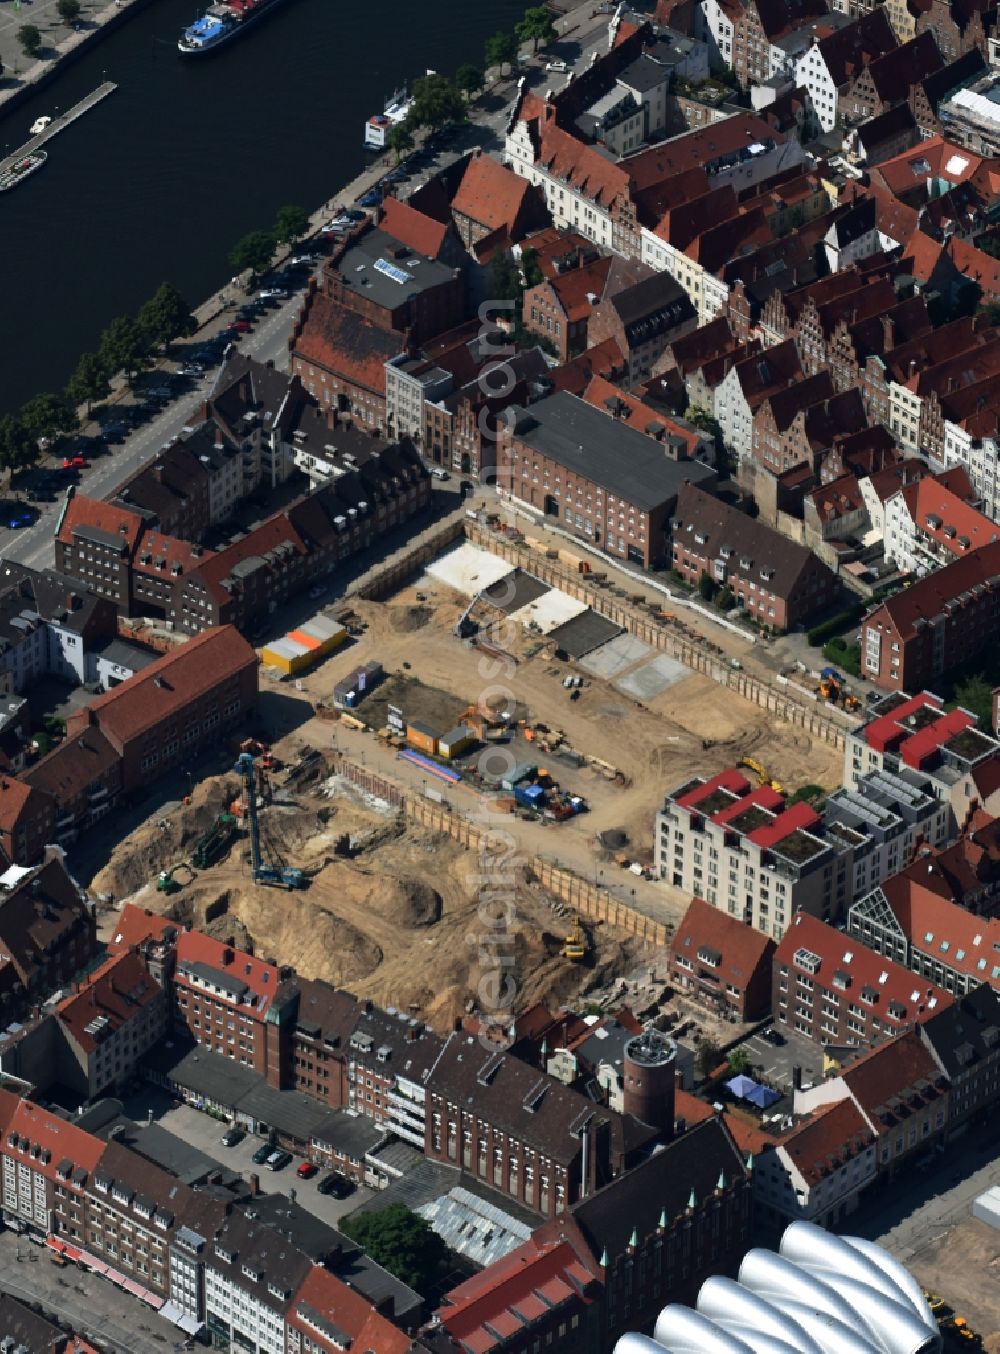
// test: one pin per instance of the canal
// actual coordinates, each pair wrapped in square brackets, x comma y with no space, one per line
[159,181]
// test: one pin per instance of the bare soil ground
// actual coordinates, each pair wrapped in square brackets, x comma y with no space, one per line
[397,920]
[962,1265]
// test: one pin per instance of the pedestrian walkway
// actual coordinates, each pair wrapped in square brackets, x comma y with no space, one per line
[58,39]
[59,124]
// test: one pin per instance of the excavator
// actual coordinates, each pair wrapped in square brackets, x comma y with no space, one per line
[167,883]
[575,946]
[761,773]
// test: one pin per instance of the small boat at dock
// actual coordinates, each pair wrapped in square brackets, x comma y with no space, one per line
[18,171]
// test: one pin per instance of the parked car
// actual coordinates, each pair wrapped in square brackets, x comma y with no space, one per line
[277,1161]
[772,1036]
[306,1170]
[232,1137]
[336,1184]
[75,463]
[273,294]
[558,66]
[15,518]
[301,261]
[114,432]
[370,199]
[240,327]
[262,1153]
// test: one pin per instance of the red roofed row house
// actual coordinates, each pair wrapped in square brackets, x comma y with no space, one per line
[720,961]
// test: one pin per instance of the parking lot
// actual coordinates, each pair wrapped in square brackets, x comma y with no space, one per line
[204,1133]
[775,1063]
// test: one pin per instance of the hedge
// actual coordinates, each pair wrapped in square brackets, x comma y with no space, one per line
[827,629]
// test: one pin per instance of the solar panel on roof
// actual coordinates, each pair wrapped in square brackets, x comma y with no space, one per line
[390,270]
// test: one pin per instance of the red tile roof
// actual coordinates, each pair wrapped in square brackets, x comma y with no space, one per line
[730,780]
[945,516]
[604,359]
[891,982]
[943,929]
[930,596]
[840,498]
[420,232]
[490,194]
[742,949]
[828,1140]
[346,1309]
[643,417]
[484,1312]
[82,511]
[261,978]
[696,149]
[801,817]
[120,990]
[888,1071]
[135,925]
[58,1140]
[169,557]
[891,478]
[271,534]
[340,340]
[944,160]
[574,289]
[14,797]
[583,168]
[192,670]
[977,265]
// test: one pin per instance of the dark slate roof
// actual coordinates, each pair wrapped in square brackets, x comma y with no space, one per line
[514,590]
[26,1328]
[966,1033]
[652,306]
[267,1252]
[623,461]
[662,1183]
[724,527]
[584,633]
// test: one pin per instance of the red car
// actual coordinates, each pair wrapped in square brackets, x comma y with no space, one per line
[306,1170]
[75,463]
[240,327]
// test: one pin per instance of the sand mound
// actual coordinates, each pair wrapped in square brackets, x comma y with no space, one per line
[407,902]
[405,619]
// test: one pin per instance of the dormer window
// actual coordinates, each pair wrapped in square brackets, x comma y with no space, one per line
[223,1254]
[250,1272]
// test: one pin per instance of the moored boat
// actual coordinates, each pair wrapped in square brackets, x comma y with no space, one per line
[19,171]
[220,22]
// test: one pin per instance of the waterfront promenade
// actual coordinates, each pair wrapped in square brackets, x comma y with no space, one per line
[58,41]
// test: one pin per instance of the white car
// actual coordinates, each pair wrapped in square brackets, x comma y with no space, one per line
[337,225]
[301,260]
[272,294]
[559,67]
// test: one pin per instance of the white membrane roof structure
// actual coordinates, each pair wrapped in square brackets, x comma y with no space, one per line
[818,1294]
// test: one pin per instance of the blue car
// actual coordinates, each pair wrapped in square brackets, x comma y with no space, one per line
[371,199]
[23,518]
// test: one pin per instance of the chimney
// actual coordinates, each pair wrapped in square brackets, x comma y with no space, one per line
[796,1078]
[254,1186]
[228,955]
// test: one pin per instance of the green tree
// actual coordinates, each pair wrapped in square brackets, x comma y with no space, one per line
[30,39]
[501,50]
[436,102]
[708,1057]
[706,588]
[738,1061]
[401,1241]
[253,252]
[808,794]
[536,27]
[291,224]
[47,415]
[166,316]
[17,446]
[725,600]
[975,694]
[123,347]
[529,265]
[89,382]
[469,79]
[399,140]
[68,11]
[505,277]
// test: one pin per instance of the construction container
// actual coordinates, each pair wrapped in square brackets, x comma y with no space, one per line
[987,1207]
[455,742]
[422,737]
[286,655]
[523,771]
[357,684]
[303,646]
[531,796]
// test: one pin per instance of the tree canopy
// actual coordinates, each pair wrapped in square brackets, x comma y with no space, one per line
[469,78]
[17,446]
[47,415]
[400,1241]
[89,382]
[975,694]
[123,346]
[166,316]
[536,26]
[68,10]
[399,139]
[505,277]
[708,1057]
[30,39]
[501,50]
[291,223]
[253,252]
[436,102]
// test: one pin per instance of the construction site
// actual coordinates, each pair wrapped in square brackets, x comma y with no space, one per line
[343,885]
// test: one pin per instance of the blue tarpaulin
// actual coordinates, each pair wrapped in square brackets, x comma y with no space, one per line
[741,1086]
[762,1096]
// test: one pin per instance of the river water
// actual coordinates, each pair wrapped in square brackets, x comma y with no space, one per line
[158,181]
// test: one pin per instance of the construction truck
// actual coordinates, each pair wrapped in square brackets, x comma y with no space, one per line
[167,883]
[264,872]
[762,776]
[574,946]
[215,842]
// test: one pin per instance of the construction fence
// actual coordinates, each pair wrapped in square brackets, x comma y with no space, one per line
[589,900]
